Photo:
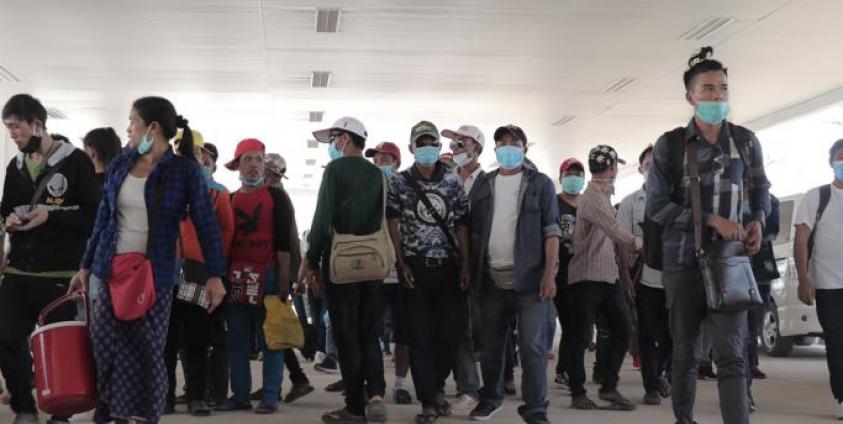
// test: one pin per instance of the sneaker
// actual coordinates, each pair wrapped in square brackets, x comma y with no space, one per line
[257,394]
[537,418]
[758,374]
[230,405]
[335,387]
[328,366]
[26,419]
[665,389]
[617,401]
[464,403]
[652,398]
[484,411]
[319,357]
[342,416]
[840,411]
[562,380]
[402,397]
[297,392]
[198,408]
[509,388]
[376,411]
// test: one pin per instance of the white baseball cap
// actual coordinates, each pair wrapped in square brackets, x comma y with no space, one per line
[347,123]
[466,131]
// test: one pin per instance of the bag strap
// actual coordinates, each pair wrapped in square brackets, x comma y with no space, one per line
[825,197]
[156,204]
[696,196]
[411,180]
[45,179]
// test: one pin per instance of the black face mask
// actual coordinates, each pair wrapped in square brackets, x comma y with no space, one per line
[33,144]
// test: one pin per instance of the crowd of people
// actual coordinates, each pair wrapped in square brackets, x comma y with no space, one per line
[176,267]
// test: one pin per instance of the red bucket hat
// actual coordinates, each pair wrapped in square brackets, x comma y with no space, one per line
[247,145]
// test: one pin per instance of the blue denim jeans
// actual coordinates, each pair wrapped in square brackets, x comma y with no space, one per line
[241,319]
[498,308]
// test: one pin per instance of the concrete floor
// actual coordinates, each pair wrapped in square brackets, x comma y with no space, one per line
[797,391]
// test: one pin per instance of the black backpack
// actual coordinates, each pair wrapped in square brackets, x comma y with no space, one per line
[825,196]
[653,253]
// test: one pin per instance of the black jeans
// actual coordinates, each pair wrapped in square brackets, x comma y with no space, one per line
[562,310]
[355,311]
[653,335]
[191,328]
[586,299]
[21,300]
[297,375]
[433,308]
[217,375]
[830,314]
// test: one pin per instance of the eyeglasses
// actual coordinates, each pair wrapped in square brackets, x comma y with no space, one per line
[461,143]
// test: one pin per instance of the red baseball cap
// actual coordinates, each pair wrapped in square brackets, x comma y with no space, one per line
[388,148]
[247,145]
[567,164]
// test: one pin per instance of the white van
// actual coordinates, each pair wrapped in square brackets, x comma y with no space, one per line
[788,321]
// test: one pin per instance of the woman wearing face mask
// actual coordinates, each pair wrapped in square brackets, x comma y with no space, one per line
[146,193]
[572,180]
[102,145]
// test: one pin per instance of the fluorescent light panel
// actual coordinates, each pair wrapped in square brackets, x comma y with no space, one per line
[706,29]
[320,79]
[327,20]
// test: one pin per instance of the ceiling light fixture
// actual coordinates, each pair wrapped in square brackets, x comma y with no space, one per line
[327,20]
[316,116]
[320,79]
[7,76]
[618,85]
[564,120]
[55,113]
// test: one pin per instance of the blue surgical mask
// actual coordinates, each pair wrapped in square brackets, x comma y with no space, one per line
[510,157]
[427,155]
[838,169]
[713,112]
[573,184]
[208,172]
[256,183]
[334,152]
[145,144]
[387,170]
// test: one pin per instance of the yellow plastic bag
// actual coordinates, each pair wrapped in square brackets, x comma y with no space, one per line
[281,328]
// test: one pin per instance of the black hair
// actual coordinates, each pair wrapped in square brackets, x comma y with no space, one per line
[647,151]
[700,64]
[160,110]
[358,141]
[25,107]
[105,142]
[834,148]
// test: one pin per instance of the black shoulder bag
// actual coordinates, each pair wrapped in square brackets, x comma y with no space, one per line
[726,270]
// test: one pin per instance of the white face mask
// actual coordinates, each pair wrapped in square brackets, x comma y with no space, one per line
[462,159]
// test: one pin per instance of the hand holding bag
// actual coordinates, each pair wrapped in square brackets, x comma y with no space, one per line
[726,270]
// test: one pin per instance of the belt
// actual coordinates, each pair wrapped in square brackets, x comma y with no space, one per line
[430,262]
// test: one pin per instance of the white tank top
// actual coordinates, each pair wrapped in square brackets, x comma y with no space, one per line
[132,224]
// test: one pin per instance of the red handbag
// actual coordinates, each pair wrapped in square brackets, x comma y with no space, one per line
[131,286]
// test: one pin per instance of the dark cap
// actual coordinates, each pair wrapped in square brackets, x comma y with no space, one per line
[602,158]
[423,128]
[834,148]
[212,150]
[513,130]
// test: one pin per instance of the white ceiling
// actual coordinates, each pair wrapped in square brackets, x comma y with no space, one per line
[239,68]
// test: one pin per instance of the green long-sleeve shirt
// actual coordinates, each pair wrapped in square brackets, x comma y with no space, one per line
[350,202]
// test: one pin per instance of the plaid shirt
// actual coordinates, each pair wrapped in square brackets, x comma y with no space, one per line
[185,186]
[728,189]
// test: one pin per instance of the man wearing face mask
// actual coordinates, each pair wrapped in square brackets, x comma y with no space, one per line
[428,212]
[647,291]
[732,184]
[572,180]
[515,235]
[350,202]
[817,247]
[50,199]
[259,266]
[594,288]
[467,145]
